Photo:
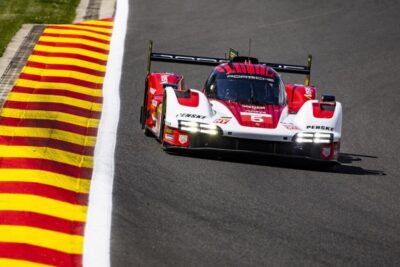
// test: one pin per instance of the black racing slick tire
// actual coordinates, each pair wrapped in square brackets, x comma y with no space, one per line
[143,109]
[147,132]
[144,113]
[162,120]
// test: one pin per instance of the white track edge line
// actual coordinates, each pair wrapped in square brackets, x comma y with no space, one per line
[98,223]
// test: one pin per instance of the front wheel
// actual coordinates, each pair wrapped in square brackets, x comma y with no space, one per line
[147,132]
[162,120]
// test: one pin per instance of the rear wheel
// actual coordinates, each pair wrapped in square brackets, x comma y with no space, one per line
[143,110]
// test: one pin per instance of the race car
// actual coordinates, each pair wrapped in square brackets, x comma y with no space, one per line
[243,106]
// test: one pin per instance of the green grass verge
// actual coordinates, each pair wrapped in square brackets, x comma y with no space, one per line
[14,13]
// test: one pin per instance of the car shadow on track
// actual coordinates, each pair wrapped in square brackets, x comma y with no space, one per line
[342,167]
[347,158]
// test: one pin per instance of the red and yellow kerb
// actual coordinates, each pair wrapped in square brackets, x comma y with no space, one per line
[48,128]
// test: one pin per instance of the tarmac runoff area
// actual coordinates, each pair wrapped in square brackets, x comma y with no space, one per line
[20,47]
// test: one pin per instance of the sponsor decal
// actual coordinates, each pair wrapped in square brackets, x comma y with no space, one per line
[168,130]
[308,93]
[164,78]
[154,103]
[153,91]
[169,137]
[223,120]
[159,109]
[250,77]
[253,107]
[183,139]
[320,127]
[256,117]
[326,152]
[191,116]
[256,111]
[290,126]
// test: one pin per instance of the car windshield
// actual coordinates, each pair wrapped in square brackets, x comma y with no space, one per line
[246,89]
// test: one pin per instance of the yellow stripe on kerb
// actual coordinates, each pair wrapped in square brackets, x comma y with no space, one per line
[46,153]
[20,263]
[67,61]
[54,99]
[61,73]
[46,178]
[99,22]
[92,28]
[43,205]
[79,51]
[49,133]
[78,32]
[43,238]
[50,115]
[74,41]
[59,86]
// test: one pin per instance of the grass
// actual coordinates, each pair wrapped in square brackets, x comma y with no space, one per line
[14,13]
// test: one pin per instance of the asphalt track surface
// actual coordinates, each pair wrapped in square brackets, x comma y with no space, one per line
[248,211]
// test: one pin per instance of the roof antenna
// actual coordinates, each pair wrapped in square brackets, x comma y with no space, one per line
[249,47]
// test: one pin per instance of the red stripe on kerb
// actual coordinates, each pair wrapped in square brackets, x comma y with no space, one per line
[108,19]
[59,107]
[57,92]
[78,29]
[70,55]
[72,45]
[46,142]
[38,254]
[46,165]
[50,124]
[32,219]
[44,190]
[39,65]
[69,80]
[76,36]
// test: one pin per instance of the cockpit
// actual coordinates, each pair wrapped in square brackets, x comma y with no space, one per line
[246,88]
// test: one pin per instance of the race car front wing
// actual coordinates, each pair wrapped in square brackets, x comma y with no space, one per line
[298,147]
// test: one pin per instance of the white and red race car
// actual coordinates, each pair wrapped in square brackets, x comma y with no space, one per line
[244,106]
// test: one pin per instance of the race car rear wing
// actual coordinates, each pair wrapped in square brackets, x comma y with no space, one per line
[212,61]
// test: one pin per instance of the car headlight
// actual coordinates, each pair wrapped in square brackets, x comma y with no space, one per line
[317,138]
[189,126]
[196,127]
